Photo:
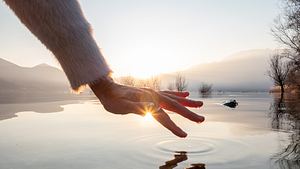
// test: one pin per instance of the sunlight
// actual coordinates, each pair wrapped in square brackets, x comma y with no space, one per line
[140,64]
[145,74]
[148,117]
[142,70]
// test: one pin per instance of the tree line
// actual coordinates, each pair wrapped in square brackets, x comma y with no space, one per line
[180,83]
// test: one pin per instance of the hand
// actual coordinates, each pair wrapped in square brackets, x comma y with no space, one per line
[120,99]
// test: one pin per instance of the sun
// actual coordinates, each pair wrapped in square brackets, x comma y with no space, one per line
[146,63]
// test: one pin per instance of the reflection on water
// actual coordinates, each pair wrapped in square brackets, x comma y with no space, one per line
[84,135]
[38,103]
[206,95]
[8,111]
[197,166]
[179,157]
[285,113]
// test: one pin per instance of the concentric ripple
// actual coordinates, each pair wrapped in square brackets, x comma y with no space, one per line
[198,149]
[190,146]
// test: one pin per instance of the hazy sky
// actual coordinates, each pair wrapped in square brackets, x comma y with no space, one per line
[141,37]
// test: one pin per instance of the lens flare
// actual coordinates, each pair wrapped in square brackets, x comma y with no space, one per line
[148,117]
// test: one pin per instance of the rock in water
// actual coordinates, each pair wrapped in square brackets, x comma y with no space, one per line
[231,103]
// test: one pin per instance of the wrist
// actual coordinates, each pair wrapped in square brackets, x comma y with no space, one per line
[102,85]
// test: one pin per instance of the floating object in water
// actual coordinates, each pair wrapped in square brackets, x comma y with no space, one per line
[231,103]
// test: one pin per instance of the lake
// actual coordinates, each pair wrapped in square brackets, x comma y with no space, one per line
[262,132]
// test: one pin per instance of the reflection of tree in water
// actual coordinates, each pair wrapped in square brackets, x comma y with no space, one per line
[178,158]
[285,113]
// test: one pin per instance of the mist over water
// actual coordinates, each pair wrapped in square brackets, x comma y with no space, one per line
[261,132]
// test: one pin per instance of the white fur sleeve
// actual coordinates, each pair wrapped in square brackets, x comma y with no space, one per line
[62,28]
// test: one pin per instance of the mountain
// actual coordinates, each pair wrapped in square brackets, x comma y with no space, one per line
[41,78]
[242,71]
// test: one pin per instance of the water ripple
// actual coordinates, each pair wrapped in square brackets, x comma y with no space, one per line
[195,146]
[206,149]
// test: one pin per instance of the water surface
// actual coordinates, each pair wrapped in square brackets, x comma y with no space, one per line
[262,132]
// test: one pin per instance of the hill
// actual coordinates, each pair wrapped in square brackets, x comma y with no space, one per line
[27,83]
[242,71]
[38,78]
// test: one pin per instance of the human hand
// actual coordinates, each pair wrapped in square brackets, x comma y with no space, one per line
[120,99]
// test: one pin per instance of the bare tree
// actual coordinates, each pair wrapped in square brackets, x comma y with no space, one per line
[180,83]
[153,83]
[128,81]
[279,71]
[287,32]
[287,29]
[205,89]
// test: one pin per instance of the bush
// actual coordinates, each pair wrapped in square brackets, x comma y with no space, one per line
[205,89]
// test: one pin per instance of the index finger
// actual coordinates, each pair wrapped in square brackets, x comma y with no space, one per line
[174,106]
[184,101]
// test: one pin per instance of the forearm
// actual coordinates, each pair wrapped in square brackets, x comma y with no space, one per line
[62,28]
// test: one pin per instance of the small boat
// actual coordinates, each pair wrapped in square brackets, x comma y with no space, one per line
[231,103]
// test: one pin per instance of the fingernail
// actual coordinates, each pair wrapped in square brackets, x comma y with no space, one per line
[200,119]
[182,134]
[200,103]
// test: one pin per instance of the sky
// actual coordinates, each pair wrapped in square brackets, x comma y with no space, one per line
[144,38]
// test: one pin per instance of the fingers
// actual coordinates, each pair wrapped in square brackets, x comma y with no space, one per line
[184,101]
[163,118]
[174,106]
[179,94]
[125,107]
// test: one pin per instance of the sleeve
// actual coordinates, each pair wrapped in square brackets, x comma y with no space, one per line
[61,26]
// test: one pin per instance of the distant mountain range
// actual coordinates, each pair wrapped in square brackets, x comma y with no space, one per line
[26,84]
[243,71]
[38,78]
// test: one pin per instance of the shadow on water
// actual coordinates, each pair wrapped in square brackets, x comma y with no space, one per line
[8,111]
[38,104]
[285,115]
[178,158]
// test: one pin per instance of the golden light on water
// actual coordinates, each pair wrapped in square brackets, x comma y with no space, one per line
[148,117]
